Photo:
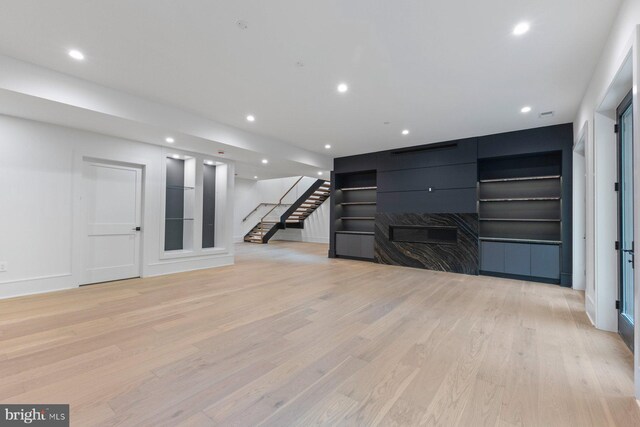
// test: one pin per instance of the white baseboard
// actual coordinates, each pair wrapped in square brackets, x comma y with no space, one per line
[36,285]
[184,265]
[60,282]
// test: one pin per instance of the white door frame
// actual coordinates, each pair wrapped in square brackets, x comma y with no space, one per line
[580,212]
[80,218]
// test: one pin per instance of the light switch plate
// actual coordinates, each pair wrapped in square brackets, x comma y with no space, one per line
[3,266]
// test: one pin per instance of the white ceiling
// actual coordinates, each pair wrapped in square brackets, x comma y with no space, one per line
[443,69]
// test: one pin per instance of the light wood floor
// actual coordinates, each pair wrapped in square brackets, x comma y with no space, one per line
[289,337]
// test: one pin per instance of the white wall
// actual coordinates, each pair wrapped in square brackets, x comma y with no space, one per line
[595,119]
[40,172]
[250,193]
[607,87]
[615,51]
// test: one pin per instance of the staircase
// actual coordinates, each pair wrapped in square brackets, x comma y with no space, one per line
[309,202]
[293,217]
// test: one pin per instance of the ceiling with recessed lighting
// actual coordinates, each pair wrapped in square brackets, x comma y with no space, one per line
[444,70]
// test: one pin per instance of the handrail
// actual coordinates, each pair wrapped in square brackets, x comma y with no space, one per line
[279,204]
[260,205]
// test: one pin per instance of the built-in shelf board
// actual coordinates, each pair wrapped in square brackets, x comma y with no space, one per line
[502,239]
[357,203]
[177,187]
[358,188]
[358,218]
[365,233]
[179,219]
[528,178]
[521,199]
[519,220]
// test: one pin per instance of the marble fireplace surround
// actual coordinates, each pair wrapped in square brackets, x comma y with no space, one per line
[459,256]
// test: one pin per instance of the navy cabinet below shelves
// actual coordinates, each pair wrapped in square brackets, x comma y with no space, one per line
[492,257]
[354,245]
[545,261]
[537,261]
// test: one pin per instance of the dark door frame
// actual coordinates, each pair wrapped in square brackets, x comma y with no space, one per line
[625,329]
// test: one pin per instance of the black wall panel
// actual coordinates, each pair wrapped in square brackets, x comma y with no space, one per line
[539,140]
[439,177]
[449,153]
[359,163]
[439,201]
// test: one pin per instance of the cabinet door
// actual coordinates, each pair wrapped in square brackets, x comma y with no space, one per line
[545,261]
[517,259]
[492,257]
[366,246]
[348,245]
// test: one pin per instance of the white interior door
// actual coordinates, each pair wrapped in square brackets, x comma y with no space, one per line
[113,204]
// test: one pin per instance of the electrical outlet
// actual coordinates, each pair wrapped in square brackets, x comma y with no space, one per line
[3,266]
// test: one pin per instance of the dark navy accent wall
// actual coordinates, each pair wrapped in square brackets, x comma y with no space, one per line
[443,178]
[434,178]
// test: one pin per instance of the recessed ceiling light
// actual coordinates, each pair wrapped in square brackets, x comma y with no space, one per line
[255,177]
[320,173]
[265,161]
[405,132]
[525,110]
[76,54]
[250,118]
[521,28]
[342,87]
[170,140]
[327,146]
[176,156]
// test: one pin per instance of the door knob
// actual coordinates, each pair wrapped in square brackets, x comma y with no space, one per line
[137,229]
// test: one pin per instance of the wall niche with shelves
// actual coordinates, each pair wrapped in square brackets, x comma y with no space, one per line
[179,203]
[355,200]
[520,214]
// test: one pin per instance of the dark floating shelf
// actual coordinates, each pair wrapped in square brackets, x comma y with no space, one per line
[358,188]
[503,239]
[358,218]
[522,199]
[179,219]
[366,233]
[529,178]
[357,203]
[520,220]
[176,187]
